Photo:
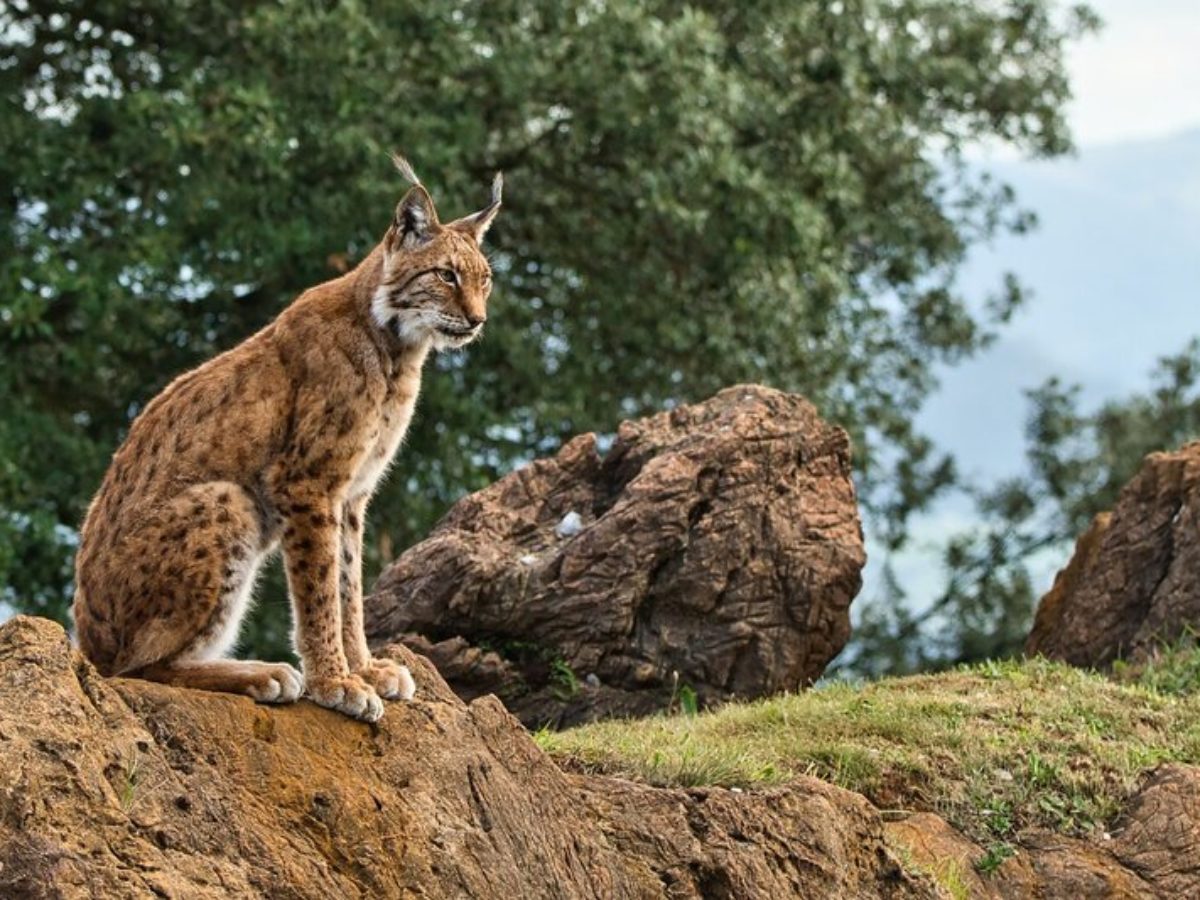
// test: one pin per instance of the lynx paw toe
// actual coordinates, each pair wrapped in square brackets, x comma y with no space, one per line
[391,680]
[291,684]
[348,694]
[278,684]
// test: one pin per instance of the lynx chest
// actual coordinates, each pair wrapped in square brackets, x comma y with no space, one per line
[384,436]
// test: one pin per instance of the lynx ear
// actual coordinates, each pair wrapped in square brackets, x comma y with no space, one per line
[478,223]
[415,220]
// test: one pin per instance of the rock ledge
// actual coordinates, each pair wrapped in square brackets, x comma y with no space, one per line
[118,788]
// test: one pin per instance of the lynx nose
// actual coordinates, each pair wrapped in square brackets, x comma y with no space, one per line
[475,321]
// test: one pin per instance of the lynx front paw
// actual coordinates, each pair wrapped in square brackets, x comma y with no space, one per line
[390,679]
[347,694]
[276,683]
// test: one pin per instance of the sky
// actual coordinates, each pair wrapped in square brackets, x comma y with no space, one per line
[1114,267]
[1140,77]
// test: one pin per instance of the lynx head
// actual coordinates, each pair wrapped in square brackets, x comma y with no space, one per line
[435,280]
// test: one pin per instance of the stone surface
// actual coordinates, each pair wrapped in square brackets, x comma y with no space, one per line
[126,789]
[1159,835]
[719,541]
[941,850]
[1134,581]
[1153,852]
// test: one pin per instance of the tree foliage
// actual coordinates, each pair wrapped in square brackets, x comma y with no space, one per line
[698,194]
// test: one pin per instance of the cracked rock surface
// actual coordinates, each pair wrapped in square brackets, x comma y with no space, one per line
[125,789]
[1134,580]
[720,541]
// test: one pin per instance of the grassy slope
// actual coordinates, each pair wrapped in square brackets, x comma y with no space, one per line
[993,748]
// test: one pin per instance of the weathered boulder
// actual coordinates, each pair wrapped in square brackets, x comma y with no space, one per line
[125,789]
[714,547]
[1134,581]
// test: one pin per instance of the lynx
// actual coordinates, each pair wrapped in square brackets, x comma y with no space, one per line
[279,441]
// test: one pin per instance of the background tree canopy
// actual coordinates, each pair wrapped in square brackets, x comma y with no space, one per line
[697,195]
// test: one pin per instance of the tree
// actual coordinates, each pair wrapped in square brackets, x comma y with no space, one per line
[1077,463]
[698,195]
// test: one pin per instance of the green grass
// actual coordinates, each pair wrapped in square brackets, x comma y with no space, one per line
[993,748]
[1173,669]
[564,680]
[994,857]
[131,779]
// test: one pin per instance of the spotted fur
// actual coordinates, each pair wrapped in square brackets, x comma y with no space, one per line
[280,441]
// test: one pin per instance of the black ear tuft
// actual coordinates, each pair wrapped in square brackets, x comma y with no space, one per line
[404,167]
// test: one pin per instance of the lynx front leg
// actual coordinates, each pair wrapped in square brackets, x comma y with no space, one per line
[354,639]
[388,677]
[310,545]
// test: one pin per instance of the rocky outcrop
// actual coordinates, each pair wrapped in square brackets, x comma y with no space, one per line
[124,789]
[1134,581]
[1153,851]
[714,548]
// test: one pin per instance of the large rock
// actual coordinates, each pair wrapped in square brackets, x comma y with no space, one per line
[125,789]
[714,547]
[1134,581]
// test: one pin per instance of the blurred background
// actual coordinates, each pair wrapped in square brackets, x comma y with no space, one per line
[968,231]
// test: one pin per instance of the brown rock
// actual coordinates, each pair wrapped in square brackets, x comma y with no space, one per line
[1134,581]
[127,789]
[1057,867]
[942,851]
[809,839]
[1155,852]
[1054,606]
[1159,835]
[720,541]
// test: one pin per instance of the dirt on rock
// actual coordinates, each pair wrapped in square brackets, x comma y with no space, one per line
[714,549]
[125,789]
[1134,580]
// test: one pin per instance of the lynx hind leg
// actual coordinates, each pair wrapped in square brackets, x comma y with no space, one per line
[262,681]
[196,568]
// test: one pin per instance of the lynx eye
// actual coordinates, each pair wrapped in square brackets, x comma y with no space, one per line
[447,275]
